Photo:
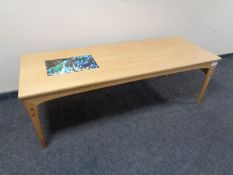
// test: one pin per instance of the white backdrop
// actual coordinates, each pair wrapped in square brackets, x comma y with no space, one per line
[44,25]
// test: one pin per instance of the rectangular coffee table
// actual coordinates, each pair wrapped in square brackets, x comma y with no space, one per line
[118,63]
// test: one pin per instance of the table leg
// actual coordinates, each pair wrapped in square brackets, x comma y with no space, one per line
[35,118]
[208,74]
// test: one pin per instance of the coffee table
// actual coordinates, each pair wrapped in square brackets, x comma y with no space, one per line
[118,63]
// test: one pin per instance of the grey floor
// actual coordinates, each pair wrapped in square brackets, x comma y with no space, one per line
[147,127]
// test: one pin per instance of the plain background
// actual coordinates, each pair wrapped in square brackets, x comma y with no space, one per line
[44,25]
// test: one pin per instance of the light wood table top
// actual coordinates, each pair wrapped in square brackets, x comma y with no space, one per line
[117,62]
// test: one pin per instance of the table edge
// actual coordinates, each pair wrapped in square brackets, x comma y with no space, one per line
[125,79]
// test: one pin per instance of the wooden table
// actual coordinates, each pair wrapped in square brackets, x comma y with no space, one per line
[118,63]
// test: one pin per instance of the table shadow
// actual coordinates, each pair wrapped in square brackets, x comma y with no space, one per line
[74,110]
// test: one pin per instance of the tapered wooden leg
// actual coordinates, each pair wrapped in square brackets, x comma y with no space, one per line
[208,74]
[35,118]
